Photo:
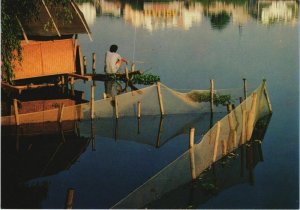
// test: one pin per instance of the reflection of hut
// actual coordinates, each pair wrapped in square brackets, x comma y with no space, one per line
[30,155]
[50,48]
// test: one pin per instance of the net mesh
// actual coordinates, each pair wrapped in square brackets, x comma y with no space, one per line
[156,100]
[226,135]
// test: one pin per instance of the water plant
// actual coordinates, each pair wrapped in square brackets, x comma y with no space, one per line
[218,99]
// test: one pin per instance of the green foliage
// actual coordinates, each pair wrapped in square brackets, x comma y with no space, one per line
[11,32]
[205,97]
[145,79]
[141,79]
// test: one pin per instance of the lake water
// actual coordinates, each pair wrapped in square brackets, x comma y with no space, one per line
[186,44]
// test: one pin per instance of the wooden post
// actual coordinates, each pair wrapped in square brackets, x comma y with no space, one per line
[116,129]
[192,163]
[216,141]
[80,61]
[60,113]
[92,101]
[47,10]
[72,86]
[132,67]
[93,135]
[84,65]
[126,73]
[267,95]
[161,106]
[230,119]
[192,137]
[116,107]
[139,109]
[251,117]
[224,147]
[211,95]
[94,63]
[241,99]
[159,132]
[104,96]
[244,126]
[245,88]
[16,112]
[70,197]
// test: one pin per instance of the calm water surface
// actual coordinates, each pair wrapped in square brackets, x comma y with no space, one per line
[186,43]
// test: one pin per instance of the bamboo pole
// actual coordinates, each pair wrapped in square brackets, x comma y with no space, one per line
[72,86]
[216,141]
[267,96]
[230,118]
[159,132]
[104,96]
[80,61]
[82,20]
[192,137]
[211,95]
[126,73]
[92,101]
[224,148]
[139,109]
[244,126]
[116,129]
[57,31]
[84,65]
[94,63]
[23,31]
[69,199]
[192,163]
[251,117]
[116,107]
[132,67]
[245,88]
[17,118]
[93,135]
[60,113]
[161,106]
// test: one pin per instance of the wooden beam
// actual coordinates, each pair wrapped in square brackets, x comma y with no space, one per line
[57,31]
[78,76]
[16,112]
[161,105]
[216,141]
[85,26]
[106,77]
[23,31]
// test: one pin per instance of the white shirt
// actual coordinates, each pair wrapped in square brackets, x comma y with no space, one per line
[111,60]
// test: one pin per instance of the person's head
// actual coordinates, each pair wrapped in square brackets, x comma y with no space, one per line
[113,48]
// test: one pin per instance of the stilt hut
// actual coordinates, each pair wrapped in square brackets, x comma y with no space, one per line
[51,57]
[50,50]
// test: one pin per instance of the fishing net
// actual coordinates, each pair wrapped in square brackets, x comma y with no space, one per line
[226,135]
[154,100]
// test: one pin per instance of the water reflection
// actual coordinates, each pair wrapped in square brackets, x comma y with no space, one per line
[185,14]
[32,151]
[235,168]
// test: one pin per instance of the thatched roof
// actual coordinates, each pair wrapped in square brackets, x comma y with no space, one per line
[55,21]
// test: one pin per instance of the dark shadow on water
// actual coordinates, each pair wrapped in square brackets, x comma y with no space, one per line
[27,155]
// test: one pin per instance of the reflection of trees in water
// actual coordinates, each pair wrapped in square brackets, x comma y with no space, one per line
[219,21]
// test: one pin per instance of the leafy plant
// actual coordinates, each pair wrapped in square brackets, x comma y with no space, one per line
[205,97]
[11,12]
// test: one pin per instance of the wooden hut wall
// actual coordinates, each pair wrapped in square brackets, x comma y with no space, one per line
[44,58]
